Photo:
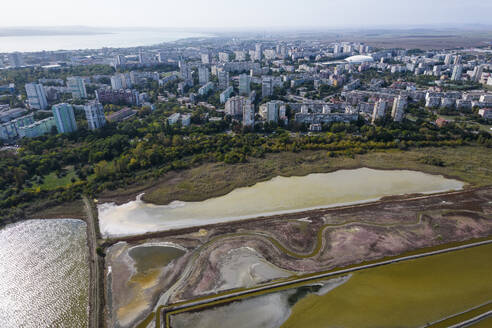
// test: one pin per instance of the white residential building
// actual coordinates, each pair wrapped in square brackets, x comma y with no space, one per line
[248,113]
[240,55]
[121,81]
[77,87]
[486,113]
[258,52]
[203,91]
[64,118]
[174,118]
[477,73]
[226,94]
[234,106]
[457,71]
[379,110]
[223,77]
[399,107]
[203,75]
[36,96]
[266,87]
[244,84]
[94,112]
[223,57]
[273,110]
[206,58]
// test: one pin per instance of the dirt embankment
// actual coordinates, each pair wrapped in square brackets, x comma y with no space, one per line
[320,240]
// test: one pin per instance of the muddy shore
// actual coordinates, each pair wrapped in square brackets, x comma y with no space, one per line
[318,240]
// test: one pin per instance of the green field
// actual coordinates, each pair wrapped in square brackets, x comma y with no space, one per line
[406,294]
[52,181]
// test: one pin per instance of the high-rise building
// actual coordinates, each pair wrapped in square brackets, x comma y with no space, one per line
[258,51]
[240,55]
[185,73]
[206,58]
[121,81]
[234,106]
[399,106]
[36,96]
[248,113]
[141,58]
[273,108]
[447,59]
[15,59]
[203,75]
[223,57]
[116,83]
[347,48]
[77,87]
[244,84]
[457,71]
[226,94]
[119,60]
[270,54]
[223,77]
[64,118]
[282,113]
[94,113]
[379,110]
[266,87]
[477,73]
[336,49]
[457,59]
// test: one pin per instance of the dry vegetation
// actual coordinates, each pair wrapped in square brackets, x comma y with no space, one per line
[470,164]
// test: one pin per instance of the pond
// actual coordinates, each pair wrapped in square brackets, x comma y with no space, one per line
[276,196]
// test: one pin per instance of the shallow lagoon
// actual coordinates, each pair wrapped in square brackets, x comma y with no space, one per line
[276,196]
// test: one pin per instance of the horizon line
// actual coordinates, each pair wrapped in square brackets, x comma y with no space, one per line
[447,26]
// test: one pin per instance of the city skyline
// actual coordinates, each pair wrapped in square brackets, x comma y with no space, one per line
[220,14]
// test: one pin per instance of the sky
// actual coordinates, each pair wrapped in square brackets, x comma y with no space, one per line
[244,13]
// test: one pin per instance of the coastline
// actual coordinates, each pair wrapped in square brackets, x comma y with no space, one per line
[193,223]
[123,38]
[124,198]
[142,238]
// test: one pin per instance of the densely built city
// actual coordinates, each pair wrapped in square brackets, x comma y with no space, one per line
[256,178]
[299,85]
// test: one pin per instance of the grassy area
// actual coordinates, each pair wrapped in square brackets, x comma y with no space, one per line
[52,181]
[406,294]
[460,120]
[470,164]
[70,210]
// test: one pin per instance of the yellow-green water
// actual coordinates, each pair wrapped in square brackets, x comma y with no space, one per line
[148,258]
[406,294]
[279,195]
